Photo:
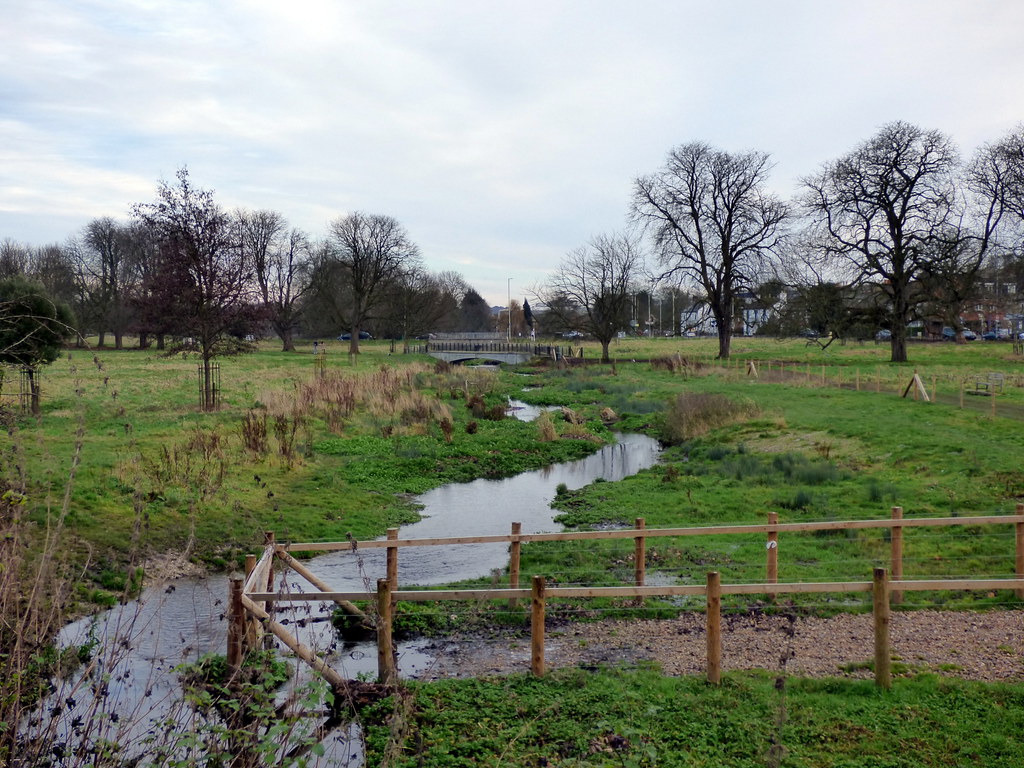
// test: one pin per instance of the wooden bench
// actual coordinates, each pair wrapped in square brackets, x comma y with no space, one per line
[990,385]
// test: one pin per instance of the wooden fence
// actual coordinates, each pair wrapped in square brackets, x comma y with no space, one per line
[251,602]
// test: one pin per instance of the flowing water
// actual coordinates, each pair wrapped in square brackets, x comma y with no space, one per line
[186,618]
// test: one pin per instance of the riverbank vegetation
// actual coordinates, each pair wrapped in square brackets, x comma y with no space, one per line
[619,717]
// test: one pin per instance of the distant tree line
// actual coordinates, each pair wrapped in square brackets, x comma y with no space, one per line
[181,271]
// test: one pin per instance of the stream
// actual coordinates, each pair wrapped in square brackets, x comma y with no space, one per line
[184,619]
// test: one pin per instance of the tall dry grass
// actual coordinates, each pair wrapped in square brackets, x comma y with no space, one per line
[692,414]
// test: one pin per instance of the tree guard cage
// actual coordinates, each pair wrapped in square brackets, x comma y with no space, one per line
[29,386]
[209,391]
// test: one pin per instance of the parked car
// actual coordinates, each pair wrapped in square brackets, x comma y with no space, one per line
[883,335]
[363,336]
[990,336]
[970,335]
[948,334]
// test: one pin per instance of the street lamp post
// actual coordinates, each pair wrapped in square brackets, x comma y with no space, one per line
[510,310]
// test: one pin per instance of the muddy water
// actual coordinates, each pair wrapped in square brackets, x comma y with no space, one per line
[185,619]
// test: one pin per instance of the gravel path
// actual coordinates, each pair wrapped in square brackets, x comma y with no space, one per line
[976,646]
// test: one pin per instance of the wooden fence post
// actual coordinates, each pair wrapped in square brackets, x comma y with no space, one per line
[252,626]
[392,561]
[961,394]
[270,538]
[896,559]
[883,657]
[537,627]
[772,570]
[714,627]
[640,558]
[515,550]
[1019,560]
[387,674]
[236,626]
[857,377]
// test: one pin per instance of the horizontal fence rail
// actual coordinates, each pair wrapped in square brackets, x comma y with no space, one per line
[252,601]
[633,533]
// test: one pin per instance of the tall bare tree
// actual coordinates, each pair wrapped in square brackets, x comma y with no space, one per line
[281,261]
[887,213]
[104,254]
[370,252]
[713,223]
[591,290]
[205,280]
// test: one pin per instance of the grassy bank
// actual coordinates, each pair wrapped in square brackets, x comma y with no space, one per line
[640,718]
[806,452]
[123,466]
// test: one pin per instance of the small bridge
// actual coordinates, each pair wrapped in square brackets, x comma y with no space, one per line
[486,347]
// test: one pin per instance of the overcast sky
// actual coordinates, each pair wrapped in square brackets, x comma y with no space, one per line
[501,134]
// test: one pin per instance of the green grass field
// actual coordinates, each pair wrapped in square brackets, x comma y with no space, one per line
[640,718]
[122,465]
[340,455]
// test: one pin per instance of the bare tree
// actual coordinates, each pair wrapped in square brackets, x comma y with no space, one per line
[416,303]
[888,212]
[14,258]
[281,261]
[104,255]
[204,278]
[590,291]
[713,223]
[371,252]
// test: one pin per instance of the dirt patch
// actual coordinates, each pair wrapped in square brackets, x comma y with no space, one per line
[973,646]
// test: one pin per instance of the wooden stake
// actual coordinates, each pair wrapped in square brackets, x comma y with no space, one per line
[236,626]
[1019,560]
[857,376]
[917,387]
[537,627]
[252,627]
[896,564]
[883,656]
[515,548]
[387,673]
[772,569]
[714,627]
[961,394]
[269,538]
[392,562]
[640,554]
